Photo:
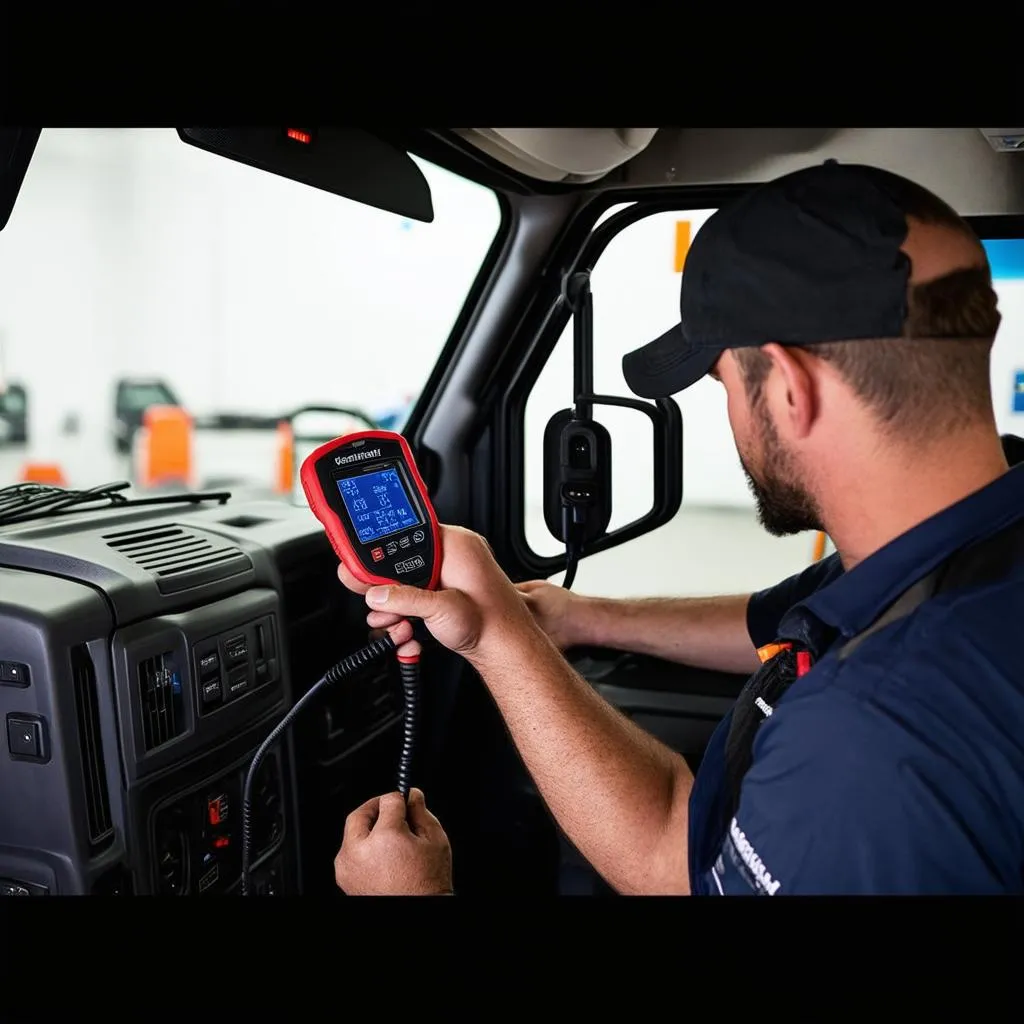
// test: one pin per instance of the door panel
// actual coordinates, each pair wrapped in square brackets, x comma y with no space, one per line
[677,704]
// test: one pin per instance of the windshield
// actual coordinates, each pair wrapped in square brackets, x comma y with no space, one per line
[138,271]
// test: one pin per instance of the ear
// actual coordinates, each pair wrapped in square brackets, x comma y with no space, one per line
[791,391]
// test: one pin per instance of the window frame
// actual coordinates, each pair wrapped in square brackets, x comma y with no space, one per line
[491,265]
[554,318]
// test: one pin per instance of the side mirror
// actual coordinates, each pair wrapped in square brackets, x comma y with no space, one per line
[578,455]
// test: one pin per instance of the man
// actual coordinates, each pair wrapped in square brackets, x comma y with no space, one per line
[849,315]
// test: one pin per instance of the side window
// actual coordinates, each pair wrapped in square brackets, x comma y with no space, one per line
[714,545]
[1006,257]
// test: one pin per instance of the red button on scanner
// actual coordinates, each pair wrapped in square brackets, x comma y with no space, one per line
[377,554]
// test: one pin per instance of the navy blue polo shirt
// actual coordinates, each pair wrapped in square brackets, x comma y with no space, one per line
[899,770]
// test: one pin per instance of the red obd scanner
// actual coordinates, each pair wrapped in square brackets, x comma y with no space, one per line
[367,492]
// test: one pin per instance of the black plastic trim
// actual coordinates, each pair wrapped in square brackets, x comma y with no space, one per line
[1005,225]
[493,261]
[578,250]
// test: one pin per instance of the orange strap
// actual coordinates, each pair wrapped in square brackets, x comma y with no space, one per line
[769,651]
[803,658]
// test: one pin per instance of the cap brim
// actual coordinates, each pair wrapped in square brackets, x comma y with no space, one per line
[667,365]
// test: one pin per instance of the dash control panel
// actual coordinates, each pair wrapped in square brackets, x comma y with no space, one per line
[197,838]
[236,662]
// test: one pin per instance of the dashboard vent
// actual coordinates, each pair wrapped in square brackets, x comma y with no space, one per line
[178,558]
[161,700]
[94,780]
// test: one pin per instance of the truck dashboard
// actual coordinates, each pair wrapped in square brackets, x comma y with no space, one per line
[145,655]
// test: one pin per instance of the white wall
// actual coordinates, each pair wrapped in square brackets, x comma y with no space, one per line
[130,253]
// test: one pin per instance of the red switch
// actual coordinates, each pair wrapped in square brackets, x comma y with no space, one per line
[377,554]
[217,810]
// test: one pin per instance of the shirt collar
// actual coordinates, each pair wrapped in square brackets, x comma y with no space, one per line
[852,602]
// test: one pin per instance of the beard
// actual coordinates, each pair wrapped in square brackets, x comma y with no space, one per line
[784,506]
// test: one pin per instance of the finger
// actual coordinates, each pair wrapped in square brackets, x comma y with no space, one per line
[412,649]
[401,632]
[382,620]
[420,820]
[392,813]
[530,585]
[411,602]
[350,582]
[361,820]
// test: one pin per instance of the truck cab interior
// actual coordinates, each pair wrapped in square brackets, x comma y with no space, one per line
[148,647]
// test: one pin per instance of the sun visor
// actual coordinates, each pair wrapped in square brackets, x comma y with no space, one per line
[349,162]
[568,155]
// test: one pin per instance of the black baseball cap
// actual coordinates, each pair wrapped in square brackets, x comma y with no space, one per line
[813,256]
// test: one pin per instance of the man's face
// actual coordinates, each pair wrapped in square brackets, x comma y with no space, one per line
[784,505]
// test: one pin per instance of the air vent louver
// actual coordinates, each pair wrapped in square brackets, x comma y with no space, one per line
[94,779]
[178,558]
[161,700]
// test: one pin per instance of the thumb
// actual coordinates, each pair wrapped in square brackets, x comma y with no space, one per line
[408,602]
[421,821]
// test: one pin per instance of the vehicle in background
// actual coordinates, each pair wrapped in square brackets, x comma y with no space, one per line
[132,397]
[394,417]
[13,414]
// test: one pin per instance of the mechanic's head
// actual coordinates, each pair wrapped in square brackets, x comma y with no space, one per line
[839,306]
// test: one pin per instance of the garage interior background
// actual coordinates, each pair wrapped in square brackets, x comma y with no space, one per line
[130,255]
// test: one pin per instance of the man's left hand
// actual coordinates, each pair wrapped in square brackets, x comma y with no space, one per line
[391,850]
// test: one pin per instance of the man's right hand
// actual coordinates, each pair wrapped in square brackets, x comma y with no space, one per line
[475,612]
[554,609]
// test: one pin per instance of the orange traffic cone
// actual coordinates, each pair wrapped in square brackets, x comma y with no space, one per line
[285,458]
[165,450]
[43,473]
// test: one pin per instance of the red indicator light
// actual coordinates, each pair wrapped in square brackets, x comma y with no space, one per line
[299,136]
[220,842]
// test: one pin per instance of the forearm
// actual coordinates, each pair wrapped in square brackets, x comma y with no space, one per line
[619,795]
[706,632]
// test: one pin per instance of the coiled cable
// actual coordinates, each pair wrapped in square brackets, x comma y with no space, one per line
[410,672]
[356,660]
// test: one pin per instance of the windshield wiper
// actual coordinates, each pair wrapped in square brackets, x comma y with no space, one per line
[22,502]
